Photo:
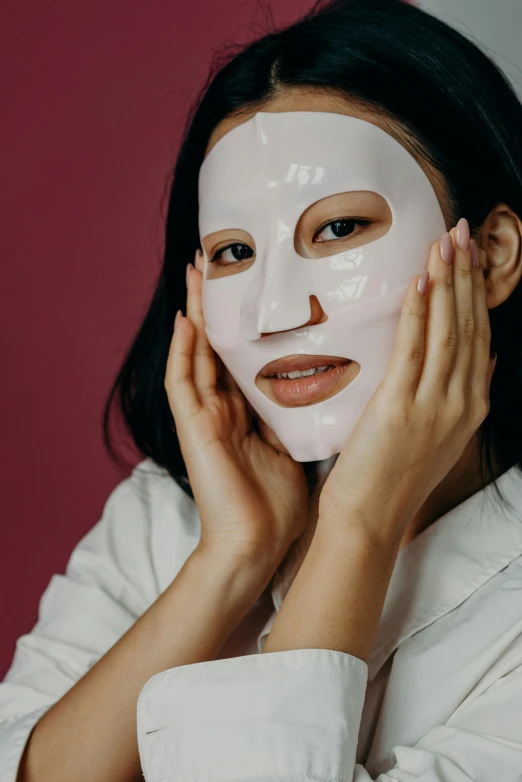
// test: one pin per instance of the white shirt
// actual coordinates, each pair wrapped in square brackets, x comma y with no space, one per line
[439,701]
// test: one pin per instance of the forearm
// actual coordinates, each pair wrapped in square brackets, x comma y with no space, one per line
[90,734]
[336,599]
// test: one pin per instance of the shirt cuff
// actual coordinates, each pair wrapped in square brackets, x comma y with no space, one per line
[13,738]
[262,716]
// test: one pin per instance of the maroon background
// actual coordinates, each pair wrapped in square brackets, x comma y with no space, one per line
[94,95]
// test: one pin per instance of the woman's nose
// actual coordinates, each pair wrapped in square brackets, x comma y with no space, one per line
[317,315]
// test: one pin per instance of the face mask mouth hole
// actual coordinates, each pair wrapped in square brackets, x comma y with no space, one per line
[308,389]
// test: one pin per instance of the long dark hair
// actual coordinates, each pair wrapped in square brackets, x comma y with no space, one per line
[462,114]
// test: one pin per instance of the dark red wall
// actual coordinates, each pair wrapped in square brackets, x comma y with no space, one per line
[93,96]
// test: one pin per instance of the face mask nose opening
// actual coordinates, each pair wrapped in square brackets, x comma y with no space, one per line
[316,316]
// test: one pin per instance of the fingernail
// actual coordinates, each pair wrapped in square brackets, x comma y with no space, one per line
[446,248]
[463,234]
[178,313]
[422,284]
[189,269]
[474,251]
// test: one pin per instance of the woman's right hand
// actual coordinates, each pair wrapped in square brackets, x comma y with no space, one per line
[252,497]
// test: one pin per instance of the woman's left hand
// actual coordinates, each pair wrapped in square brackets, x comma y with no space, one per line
[432,400]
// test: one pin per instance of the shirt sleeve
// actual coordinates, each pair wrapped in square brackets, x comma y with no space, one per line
[279,715]
[296,715]
[109,582]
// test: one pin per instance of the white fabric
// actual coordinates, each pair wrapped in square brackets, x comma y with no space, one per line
[440,701]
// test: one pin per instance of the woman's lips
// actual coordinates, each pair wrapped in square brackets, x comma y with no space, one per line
[305,390]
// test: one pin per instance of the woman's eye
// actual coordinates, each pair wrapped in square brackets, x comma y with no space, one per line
[236,252]
[338,229]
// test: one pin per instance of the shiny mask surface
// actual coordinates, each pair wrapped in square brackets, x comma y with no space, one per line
[260,177]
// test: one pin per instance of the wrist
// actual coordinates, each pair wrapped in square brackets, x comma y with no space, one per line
[244,577]
[374,530]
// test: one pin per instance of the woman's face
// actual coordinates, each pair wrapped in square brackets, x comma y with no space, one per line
[311,226]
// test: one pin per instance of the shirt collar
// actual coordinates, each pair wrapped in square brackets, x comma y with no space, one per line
[443,566]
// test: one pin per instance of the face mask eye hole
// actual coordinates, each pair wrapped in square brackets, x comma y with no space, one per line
[230,251]
[341,222]
[231,254]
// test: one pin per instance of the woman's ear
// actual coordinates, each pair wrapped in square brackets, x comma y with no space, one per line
[500,245]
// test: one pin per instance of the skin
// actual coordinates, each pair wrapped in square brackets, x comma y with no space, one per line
[499,241]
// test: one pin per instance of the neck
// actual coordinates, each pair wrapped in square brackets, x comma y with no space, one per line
[317,473]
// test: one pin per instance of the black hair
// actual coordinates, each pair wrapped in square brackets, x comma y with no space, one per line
[458,107]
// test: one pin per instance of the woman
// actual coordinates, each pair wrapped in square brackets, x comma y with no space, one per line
[397,653]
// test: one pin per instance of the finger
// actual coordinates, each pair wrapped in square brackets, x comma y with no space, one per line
[463,283]
[405,365]
[182,396]
[441,327]
[480,380]
[204,365]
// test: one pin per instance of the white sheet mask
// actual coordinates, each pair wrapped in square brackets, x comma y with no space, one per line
[260,177]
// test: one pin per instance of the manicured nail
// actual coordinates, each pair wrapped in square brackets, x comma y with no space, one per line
[446,248]
[189,269]
[463,234]
[474,251]
[178,314]
[422,284]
